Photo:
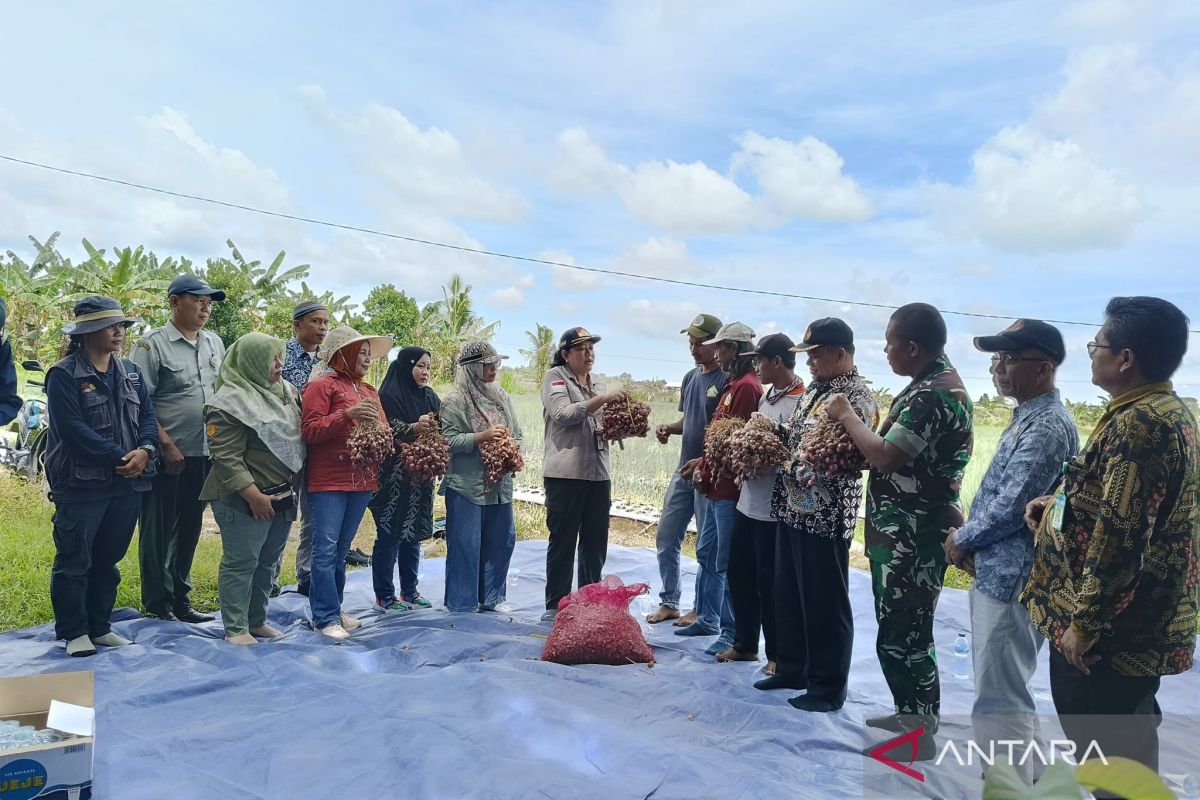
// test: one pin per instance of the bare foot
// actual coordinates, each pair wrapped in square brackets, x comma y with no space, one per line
[663,613]
[734,655]
[769,670]
[686,619]
[241,638]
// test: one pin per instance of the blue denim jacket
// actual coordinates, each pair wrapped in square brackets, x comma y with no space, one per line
[1028,460]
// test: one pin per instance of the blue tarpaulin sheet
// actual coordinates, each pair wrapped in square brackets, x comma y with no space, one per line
[438,705]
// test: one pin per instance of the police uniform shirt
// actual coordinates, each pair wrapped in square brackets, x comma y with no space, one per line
[180,377]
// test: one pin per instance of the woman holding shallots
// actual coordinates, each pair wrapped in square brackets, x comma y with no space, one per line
[336,401]
[403,506]
[478,419]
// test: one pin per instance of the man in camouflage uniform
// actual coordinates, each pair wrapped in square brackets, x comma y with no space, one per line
[917,462]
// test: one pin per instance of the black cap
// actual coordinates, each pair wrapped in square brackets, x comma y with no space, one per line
[774,344]
[1025,334]
[94,313]
[574,336]
[194,284]
[825,332]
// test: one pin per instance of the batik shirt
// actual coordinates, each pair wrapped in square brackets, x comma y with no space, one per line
[1124,565]
[297,364]
[1027,464]
[910,511]
[829,508]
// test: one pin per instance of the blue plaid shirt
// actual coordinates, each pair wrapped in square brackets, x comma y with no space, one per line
[297,364]
[1028,461]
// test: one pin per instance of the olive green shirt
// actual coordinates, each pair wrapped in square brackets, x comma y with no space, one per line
[465,475]
[239,458]
[180,377]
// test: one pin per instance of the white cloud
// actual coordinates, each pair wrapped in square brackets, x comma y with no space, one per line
[507,297]
[685,198]
[657,319]
[569,280]
[583,167]
[797,180]
[1034,194]
[802,179]
[161,149]
[662,257]
[426,167]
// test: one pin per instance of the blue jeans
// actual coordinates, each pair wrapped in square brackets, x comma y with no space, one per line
[679,504]
[389,552]
[714,608]
[479,545]
[336,516]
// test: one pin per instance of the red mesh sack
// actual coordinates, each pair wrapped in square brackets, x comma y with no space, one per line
[594,626]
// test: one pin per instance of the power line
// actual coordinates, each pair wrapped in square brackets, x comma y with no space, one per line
[497,254]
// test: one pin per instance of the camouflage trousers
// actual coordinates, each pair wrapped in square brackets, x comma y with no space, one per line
[906,594]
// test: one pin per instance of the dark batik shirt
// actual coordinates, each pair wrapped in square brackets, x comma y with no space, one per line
[1124,567]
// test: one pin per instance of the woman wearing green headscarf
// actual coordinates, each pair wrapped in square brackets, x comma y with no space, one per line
[253,428]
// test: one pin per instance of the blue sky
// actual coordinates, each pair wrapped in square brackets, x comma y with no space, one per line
[1016,158]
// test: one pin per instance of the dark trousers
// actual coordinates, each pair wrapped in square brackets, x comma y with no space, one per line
[1119,712]
[389,555]
[90,539]
[577,518]
[172,514]
[814,621]
[751,579]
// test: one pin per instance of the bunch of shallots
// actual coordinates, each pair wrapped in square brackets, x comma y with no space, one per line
[370,443]
[426,457]
[500,456]
[755,449]
[717,450]
[828,448]
[623,418]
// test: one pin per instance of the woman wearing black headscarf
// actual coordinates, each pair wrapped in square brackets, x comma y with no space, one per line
[403,510]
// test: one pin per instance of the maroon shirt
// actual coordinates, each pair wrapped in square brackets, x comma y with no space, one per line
[740,399]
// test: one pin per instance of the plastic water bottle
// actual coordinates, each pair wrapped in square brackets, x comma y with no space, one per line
[962,657]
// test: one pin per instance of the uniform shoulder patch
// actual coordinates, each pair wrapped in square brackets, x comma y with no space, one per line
[210,430]
[142,343]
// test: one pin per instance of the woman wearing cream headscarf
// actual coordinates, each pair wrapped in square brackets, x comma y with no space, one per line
[253,428]
[480,534]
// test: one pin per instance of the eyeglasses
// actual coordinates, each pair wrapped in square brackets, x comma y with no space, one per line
[1092,347]
[1008,359]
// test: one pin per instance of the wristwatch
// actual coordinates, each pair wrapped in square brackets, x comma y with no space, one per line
[150,449]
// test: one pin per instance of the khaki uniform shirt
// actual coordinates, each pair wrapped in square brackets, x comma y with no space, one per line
[574,446]
[180,376]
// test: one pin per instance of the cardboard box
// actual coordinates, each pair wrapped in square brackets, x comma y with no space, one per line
[61,771]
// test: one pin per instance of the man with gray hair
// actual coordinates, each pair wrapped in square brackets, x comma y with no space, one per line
[310,323]
[994,544]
